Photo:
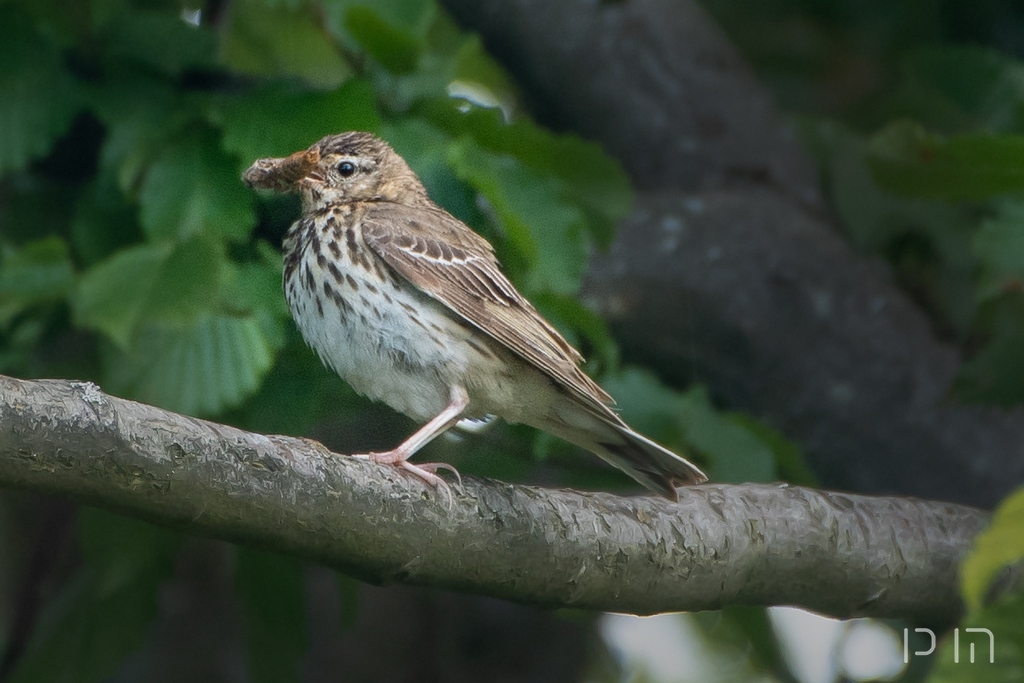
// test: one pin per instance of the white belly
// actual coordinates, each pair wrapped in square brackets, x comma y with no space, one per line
[399,346]
[376,348]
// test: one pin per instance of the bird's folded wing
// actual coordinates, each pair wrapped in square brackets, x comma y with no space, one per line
[453,265]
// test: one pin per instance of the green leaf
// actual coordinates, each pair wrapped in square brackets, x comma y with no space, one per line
[111,295]
[102,614]
[140,113]
[995,375]
[191,188]
[201,369]
[396,48]
[733,452]
[788,459]
[272,590]
[736,453]
[476,68]
[588,178]
[908,160]
[159,39]
[37,272]
[646,404]
[256,286]
[149,282]
[1000,546]
[104,221]
[298,392]
[928,241]
[545,231]
[583,328]
[999,248]
[996,660]
[425,147]
[965,87]
[276,40]
[38,98]
[280,119]
[188,282]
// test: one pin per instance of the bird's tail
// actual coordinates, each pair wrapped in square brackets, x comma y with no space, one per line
[654,466]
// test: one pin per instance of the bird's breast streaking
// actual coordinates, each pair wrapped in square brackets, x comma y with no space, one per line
[410,306]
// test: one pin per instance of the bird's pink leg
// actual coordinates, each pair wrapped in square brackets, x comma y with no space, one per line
[400,455]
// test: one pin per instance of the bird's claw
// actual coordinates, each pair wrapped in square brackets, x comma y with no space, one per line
[426,471]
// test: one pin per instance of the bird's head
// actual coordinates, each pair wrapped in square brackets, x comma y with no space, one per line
[340,169]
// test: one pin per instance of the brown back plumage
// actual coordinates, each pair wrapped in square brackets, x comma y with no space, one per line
[453,265]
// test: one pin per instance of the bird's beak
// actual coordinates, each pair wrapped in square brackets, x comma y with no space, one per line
[284,174]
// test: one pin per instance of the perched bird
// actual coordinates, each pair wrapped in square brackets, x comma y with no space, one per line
[411,308]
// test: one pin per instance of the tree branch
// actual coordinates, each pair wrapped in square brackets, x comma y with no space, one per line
[834,553]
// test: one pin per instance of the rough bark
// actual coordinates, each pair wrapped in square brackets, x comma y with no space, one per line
[834,553]
[729,269]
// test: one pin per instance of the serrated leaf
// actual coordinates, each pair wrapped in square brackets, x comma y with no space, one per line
[272,590]
[192,188]
[543,229]
[201,369]
[280,119]
[998,547]
[276,40]
[112,294]
[999,248]
[38,98]
[297,392]
[103,613]
[188,282]
[38,271]
[908,160]
[149,282]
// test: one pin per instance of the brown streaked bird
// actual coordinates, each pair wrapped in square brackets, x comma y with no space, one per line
[411,308]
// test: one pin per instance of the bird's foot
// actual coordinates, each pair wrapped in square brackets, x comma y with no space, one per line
[425,471]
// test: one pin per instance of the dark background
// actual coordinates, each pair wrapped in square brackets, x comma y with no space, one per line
[786,234]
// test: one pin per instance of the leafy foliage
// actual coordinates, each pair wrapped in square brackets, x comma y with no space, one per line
[923,163]
[124,131]
[998,555]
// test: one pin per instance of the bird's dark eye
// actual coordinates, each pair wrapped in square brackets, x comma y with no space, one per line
[346,168]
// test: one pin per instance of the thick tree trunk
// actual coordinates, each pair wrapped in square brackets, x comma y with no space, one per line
[729,270]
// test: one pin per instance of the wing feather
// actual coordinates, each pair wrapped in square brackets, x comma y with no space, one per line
[453,265]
